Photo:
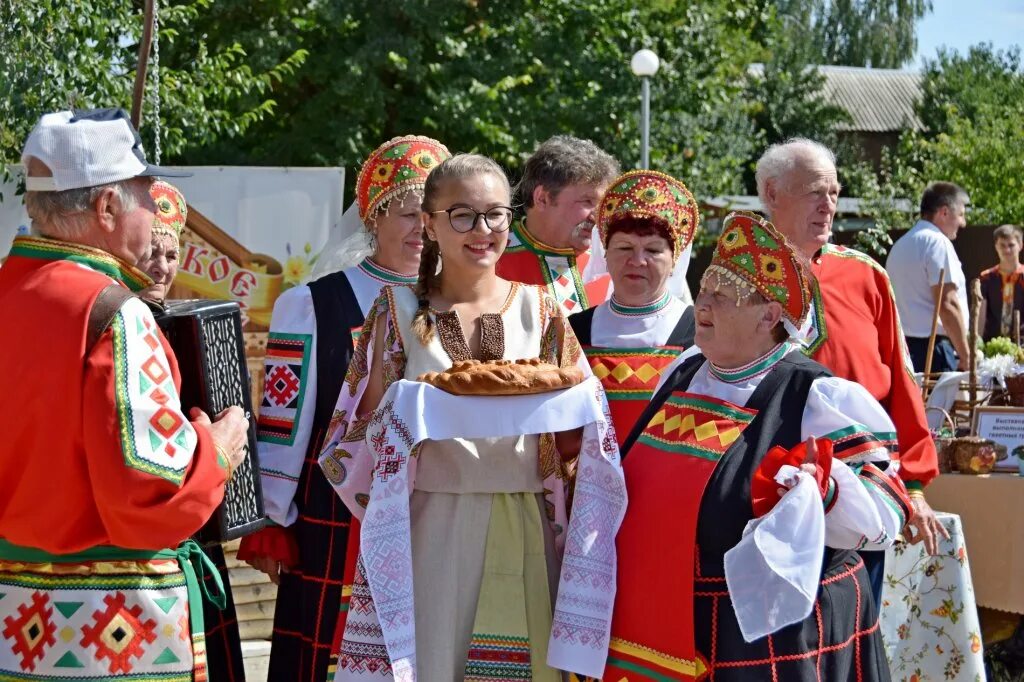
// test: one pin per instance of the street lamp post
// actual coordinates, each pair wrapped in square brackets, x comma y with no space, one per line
[645,64]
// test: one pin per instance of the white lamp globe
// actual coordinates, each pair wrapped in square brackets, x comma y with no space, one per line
[644,63]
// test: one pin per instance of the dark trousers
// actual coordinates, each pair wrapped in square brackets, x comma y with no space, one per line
[944,359]
[874,563]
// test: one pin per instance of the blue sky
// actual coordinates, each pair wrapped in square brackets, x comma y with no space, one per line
[958,24]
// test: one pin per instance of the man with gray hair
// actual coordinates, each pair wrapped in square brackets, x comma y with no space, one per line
[105,477]
[561,188]
[853,328]
[916,261]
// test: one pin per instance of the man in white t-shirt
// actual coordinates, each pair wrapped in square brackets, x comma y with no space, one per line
[914,264]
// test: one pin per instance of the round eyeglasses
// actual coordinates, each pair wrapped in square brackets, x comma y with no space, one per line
[463,219]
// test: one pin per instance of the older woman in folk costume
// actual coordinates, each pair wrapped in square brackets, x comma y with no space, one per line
[310,345]
[223,642]
[646,220]
[162,264]
[728,434]
[462,536]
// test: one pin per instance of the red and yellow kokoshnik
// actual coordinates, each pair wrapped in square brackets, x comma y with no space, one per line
[650,194]
[395,168]
[171,209]
[753,256]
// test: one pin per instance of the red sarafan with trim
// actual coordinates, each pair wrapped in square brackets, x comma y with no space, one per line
[688,477]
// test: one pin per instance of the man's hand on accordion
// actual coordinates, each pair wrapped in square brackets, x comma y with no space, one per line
[229,431]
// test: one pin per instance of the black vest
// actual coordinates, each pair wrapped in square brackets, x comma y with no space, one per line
[337,312]
[726,505]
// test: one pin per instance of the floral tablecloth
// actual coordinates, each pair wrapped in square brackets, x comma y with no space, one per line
[929,617]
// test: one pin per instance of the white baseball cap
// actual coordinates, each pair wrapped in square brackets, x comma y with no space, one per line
[86,148]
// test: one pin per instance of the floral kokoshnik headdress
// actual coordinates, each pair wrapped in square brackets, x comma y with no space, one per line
[650,194]
[394,169]
[753,256]
[171,209]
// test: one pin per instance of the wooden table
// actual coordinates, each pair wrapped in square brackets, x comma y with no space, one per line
[991,509]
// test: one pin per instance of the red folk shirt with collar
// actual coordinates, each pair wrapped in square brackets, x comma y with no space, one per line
[854,331]
[95,448]
[565,273]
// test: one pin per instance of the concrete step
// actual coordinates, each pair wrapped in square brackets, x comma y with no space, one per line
[256,655]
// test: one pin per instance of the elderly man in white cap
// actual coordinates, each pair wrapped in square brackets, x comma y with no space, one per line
[104,476]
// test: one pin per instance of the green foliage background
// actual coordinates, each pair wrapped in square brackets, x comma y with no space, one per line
[973,114]
[323,82]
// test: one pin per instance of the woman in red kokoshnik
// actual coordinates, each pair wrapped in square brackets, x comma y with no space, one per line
[646,221]
[753,430]
[308,351]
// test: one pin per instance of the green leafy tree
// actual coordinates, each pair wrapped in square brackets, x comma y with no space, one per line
[53,56]
[877,33]
[786,95]
[973,109]
[959,85]
[498,78]
[982,154]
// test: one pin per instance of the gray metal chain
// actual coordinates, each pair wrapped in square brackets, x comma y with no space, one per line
[156,83]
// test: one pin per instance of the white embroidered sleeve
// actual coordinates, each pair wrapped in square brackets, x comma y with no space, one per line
[156,437]
[285,421]
[866,504]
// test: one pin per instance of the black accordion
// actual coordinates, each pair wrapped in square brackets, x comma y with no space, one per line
[207,340]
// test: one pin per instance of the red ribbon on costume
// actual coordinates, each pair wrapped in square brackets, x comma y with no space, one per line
[272,542]
[764,490]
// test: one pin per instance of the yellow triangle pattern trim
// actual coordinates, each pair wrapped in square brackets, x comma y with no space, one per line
[687,423]
[622,371]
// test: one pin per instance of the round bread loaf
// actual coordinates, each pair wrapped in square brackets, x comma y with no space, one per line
[503,377]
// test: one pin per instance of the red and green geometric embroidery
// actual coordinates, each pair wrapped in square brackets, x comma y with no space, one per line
[631,373]
[167,434]
[699,427]
[495,657]
[44,248]
[284,387]
[118,634]
[32,632]
[645,663]
[558,269]
[818,333]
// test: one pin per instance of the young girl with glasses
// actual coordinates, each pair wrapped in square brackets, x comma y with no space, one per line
[482,511]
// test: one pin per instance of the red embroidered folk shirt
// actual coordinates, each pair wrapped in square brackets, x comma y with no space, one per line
[562,271]
[856,334]
[94,450]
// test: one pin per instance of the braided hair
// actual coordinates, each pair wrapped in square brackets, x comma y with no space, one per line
[458,167]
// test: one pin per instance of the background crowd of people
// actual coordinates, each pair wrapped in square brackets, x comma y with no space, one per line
[782,393]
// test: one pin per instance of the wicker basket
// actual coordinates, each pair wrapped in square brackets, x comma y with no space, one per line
[944,444]
[974,455]
[1015,390]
